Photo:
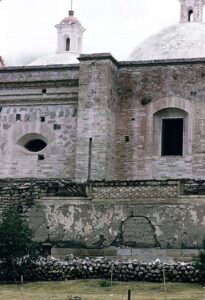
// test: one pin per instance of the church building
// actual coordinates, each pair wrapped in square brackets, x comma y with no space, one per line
[105,154]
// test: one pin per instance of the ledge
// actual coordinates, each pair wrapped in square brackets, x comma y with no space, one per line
[39,68]
[161,62]
[97,56]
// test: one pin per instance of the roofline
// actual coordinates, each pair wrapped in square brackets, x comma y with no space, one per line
[104,56]
[39,68]
[98,56]
[161,62]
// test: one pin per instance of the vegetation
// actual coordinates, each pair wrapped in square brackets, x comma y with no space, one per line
[15,241]
[201,262]
[91,290]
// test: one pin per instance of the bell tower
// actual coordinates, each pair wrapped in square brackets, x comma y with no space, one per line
[70,34]
[191,11]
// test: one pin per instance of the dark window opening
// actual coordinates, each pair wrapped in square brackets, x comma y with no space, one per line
[0,109]
[18,117]
[172,137]
[67,44]
[42,119]
[190,15]
[41,157]
[35,145]
[74,112]
[56,126]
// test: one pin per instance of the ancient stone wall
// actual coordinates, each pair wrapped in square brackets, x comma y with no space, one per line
[54,124]
[146,90]
[96,118]
[38,103]
[144,214]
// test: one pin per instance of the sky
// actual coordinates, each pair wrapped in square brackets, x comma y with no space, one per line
[116,26]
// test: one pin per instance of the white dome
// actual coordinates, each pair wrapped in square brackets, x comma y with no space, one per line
[184,40]
[56,59]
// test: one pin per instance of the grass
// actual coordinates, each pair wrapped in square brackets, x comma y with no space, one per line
[95,290]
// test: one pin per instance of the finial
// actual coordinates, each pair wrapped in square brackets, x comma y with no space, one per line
[71,12]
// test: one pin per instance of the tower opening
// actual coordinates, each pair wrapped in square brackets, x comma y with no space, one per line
[190,15]
[68,44]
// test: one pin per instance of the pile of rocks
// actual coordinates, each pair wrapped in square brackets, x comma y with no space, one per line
[77,268]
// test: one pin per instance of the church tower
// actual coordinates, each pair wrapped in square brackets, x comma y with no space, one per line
[69,35]
[191,11]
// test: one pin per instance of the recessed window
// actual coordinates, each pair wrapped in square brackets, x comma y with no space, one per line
[67,44]
[172,136]
[35,145]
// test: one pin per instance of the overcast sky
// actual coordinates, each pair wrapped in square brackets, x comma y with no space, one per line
[27,26]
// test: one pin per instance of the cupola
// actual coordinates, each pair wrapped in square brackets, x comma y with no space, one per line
[70,34]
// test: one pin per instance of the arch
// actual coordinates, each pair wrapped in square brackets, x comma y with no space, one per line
[67,44]
[154,109]
[170,102]
[170,132]
[190,15]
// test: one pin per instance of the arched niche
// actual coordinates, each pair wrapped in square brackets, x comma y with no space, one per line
[170,132]
[170,107]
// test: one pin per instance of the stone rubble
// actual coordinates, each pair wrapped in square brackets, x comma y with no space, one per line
[52,269]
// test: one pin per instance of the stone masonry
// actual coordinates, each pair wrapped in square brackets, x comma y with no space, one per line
[100,179]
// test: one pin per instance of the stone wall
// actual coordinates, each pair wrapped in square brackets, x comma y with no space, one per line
[75,268]
[97,215]
[96,118]
[145,90]
[24,193]
[55,124]
[38,103]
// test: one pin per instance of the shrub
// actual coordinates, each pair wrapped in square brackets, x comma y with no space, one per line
[15,241]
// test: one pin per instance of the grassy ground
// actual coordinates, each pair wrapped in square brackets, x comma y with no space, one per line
[93,290]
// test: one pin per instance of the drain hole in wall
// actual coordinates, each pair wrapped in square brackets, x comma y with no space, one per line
[56,126]
[41,157]
[127,138]
[42,119]
[18,117]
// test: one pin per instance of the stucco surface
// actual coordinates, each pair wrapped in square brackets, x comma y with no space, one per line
[183,40]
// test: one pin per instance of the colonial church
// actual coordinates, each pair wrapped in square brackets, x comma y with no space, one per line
[106,154]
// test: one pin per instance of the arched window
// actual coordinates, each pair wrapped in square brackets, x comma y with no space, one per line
[190,15]
[170,131]
[68,44]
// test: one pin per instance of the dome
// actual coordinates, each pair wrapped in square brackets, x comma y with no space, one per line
[71,20]
[56,59]
[184,40]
